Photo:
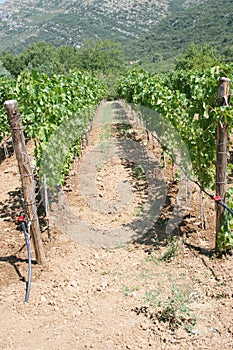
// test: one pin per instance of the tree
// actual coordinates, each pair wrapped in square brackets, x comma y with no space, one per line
[3,71]
[40,56]
[198,57]
[102,55]
[228,54]
[11,63]
[69,59]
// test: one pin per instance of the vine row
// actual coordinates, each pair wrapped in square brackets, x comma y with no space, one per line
[55,112]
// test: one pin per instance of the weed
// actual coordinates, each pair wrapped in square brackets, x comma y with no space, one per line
[220,295]
[128,291]
[173,246]
[190,325]
[138,171]
[174,310]
[153,258]
[152,298]
[138,211]
[177,176]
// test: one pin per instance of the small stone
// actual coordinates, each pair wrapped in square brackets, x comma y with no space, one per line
[74,283]
[43,299]
[144,326]
[104,284]
[214,330]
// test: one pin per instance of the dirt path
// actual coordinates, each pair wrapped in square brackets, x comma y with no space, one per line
[109,292]
[119,189]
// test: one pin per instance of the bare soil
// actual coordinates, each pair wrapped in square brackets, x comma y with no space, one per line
[111,281]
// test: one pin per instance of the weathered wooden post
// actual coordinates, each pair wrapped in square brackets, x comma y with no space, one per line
[224,86]
[27,178]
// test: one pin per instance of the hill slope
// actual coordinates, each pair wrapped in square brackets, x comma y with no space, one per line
[206,23]
[69,22]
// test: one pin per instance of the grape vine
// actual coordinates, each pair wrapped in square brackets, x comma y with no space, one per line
[188,100]
[48,104]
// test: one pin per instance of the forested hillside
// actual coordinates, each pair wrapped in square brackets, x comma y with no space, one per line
[69,22]
[210,22]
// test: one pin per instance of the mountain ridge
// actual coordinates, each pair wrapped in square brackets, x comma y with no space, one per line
[70,22]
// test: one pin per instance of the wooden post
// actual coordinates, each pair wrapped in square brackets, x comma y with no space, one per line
[224,86]
[27,178]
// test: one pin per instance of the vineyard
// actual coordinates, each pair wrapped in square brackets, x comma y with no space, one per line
[189,102]
[182,108]
[168,290]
